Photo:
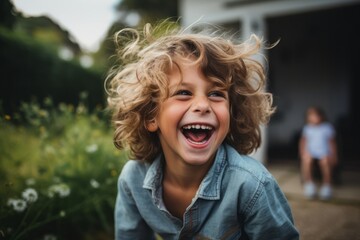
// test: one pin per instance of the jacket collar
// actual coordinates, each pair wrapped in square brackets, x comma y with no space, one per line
[210,186]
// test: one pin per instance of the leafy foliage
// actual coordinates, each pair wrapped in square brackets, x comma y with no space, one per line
[58,172]
[30,70]
[46,31]
[152,11]
[7,14]
[105,57]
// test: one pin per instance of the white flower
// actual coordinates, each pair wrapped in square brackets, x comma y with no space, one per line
[30,181]
[19,205]
[91,148]
[94,183]
[62,189]
[10,201]
[30,195]
[62,213]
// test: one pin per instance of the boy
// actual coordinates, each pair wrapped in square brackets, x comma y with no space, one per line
[189,107]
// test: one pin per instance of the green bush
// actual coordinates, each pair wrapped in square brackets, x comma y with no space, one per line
[30,69]
[58,172]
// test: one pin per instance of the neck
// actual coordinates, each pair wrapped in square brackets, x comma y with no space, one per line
[184,175]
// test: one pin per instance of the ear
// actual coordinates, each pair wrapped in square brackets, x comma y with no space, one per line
[152,126]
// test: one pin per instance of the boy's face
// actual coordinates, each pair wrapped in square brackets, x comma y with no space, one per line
[195,119]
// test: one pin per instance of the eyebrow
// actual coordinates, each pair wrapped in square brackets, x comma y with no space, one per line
[190,84]
[180,84]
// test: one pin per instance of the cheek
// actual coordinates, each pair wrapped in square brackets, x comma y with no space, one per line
[223,115]
[170,113]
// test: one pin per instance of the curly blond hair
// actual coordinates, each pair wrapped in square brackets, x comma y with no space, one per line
[136,89]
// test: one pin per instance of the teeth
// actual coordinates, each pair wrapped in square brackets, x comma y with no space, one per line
[197,143]
[197,126]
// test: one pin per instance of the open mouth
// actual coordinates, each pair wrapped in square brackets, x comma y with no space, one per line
[197,133]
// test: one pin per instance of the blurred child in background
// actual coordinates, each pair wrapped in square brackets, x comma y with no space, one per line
[317,143]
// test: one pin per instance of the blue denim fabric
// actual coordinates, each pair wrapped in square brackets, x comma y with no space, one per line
[237,199]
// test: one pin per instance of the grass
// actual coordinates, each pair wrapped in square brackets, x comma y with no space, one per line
[58,172]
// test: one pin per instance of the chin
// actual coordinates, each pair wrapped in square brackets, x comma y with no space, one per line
[198,160]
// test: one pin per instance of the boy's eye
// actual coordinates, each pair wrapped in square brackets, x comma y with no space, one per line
[183,93]
[217,94]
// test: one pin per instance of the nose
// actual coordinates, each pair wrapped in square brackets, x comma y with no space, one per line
[201,105]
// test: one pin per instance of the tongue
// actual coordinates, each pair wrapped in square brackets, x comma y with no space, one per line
[196,137]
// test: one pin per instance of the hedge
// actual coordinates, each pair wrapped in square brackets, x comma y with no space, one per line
[30,70]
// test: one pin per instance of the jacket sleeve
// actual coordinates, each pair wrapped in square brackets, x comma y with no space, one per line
[268,214]
[129,223]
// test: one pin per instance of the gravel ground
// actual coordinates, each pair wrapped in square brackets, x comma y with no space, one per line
[337,219]
[326,220]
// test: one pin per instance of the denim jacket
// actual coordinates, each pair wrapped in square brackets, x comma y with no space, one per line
[237,199]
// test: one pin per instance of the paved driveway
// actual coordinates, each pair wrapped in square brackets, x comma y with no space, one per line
[337,219]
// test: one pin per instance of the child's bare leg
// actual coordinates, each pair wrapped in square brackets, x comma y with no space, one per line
[326,167]
[306,167]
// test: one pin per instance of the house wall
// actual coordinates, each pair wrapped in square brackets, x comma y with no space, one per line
[313,65]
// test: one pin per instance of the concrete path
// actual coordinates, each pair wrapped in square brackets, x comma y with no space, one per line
[336,219]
